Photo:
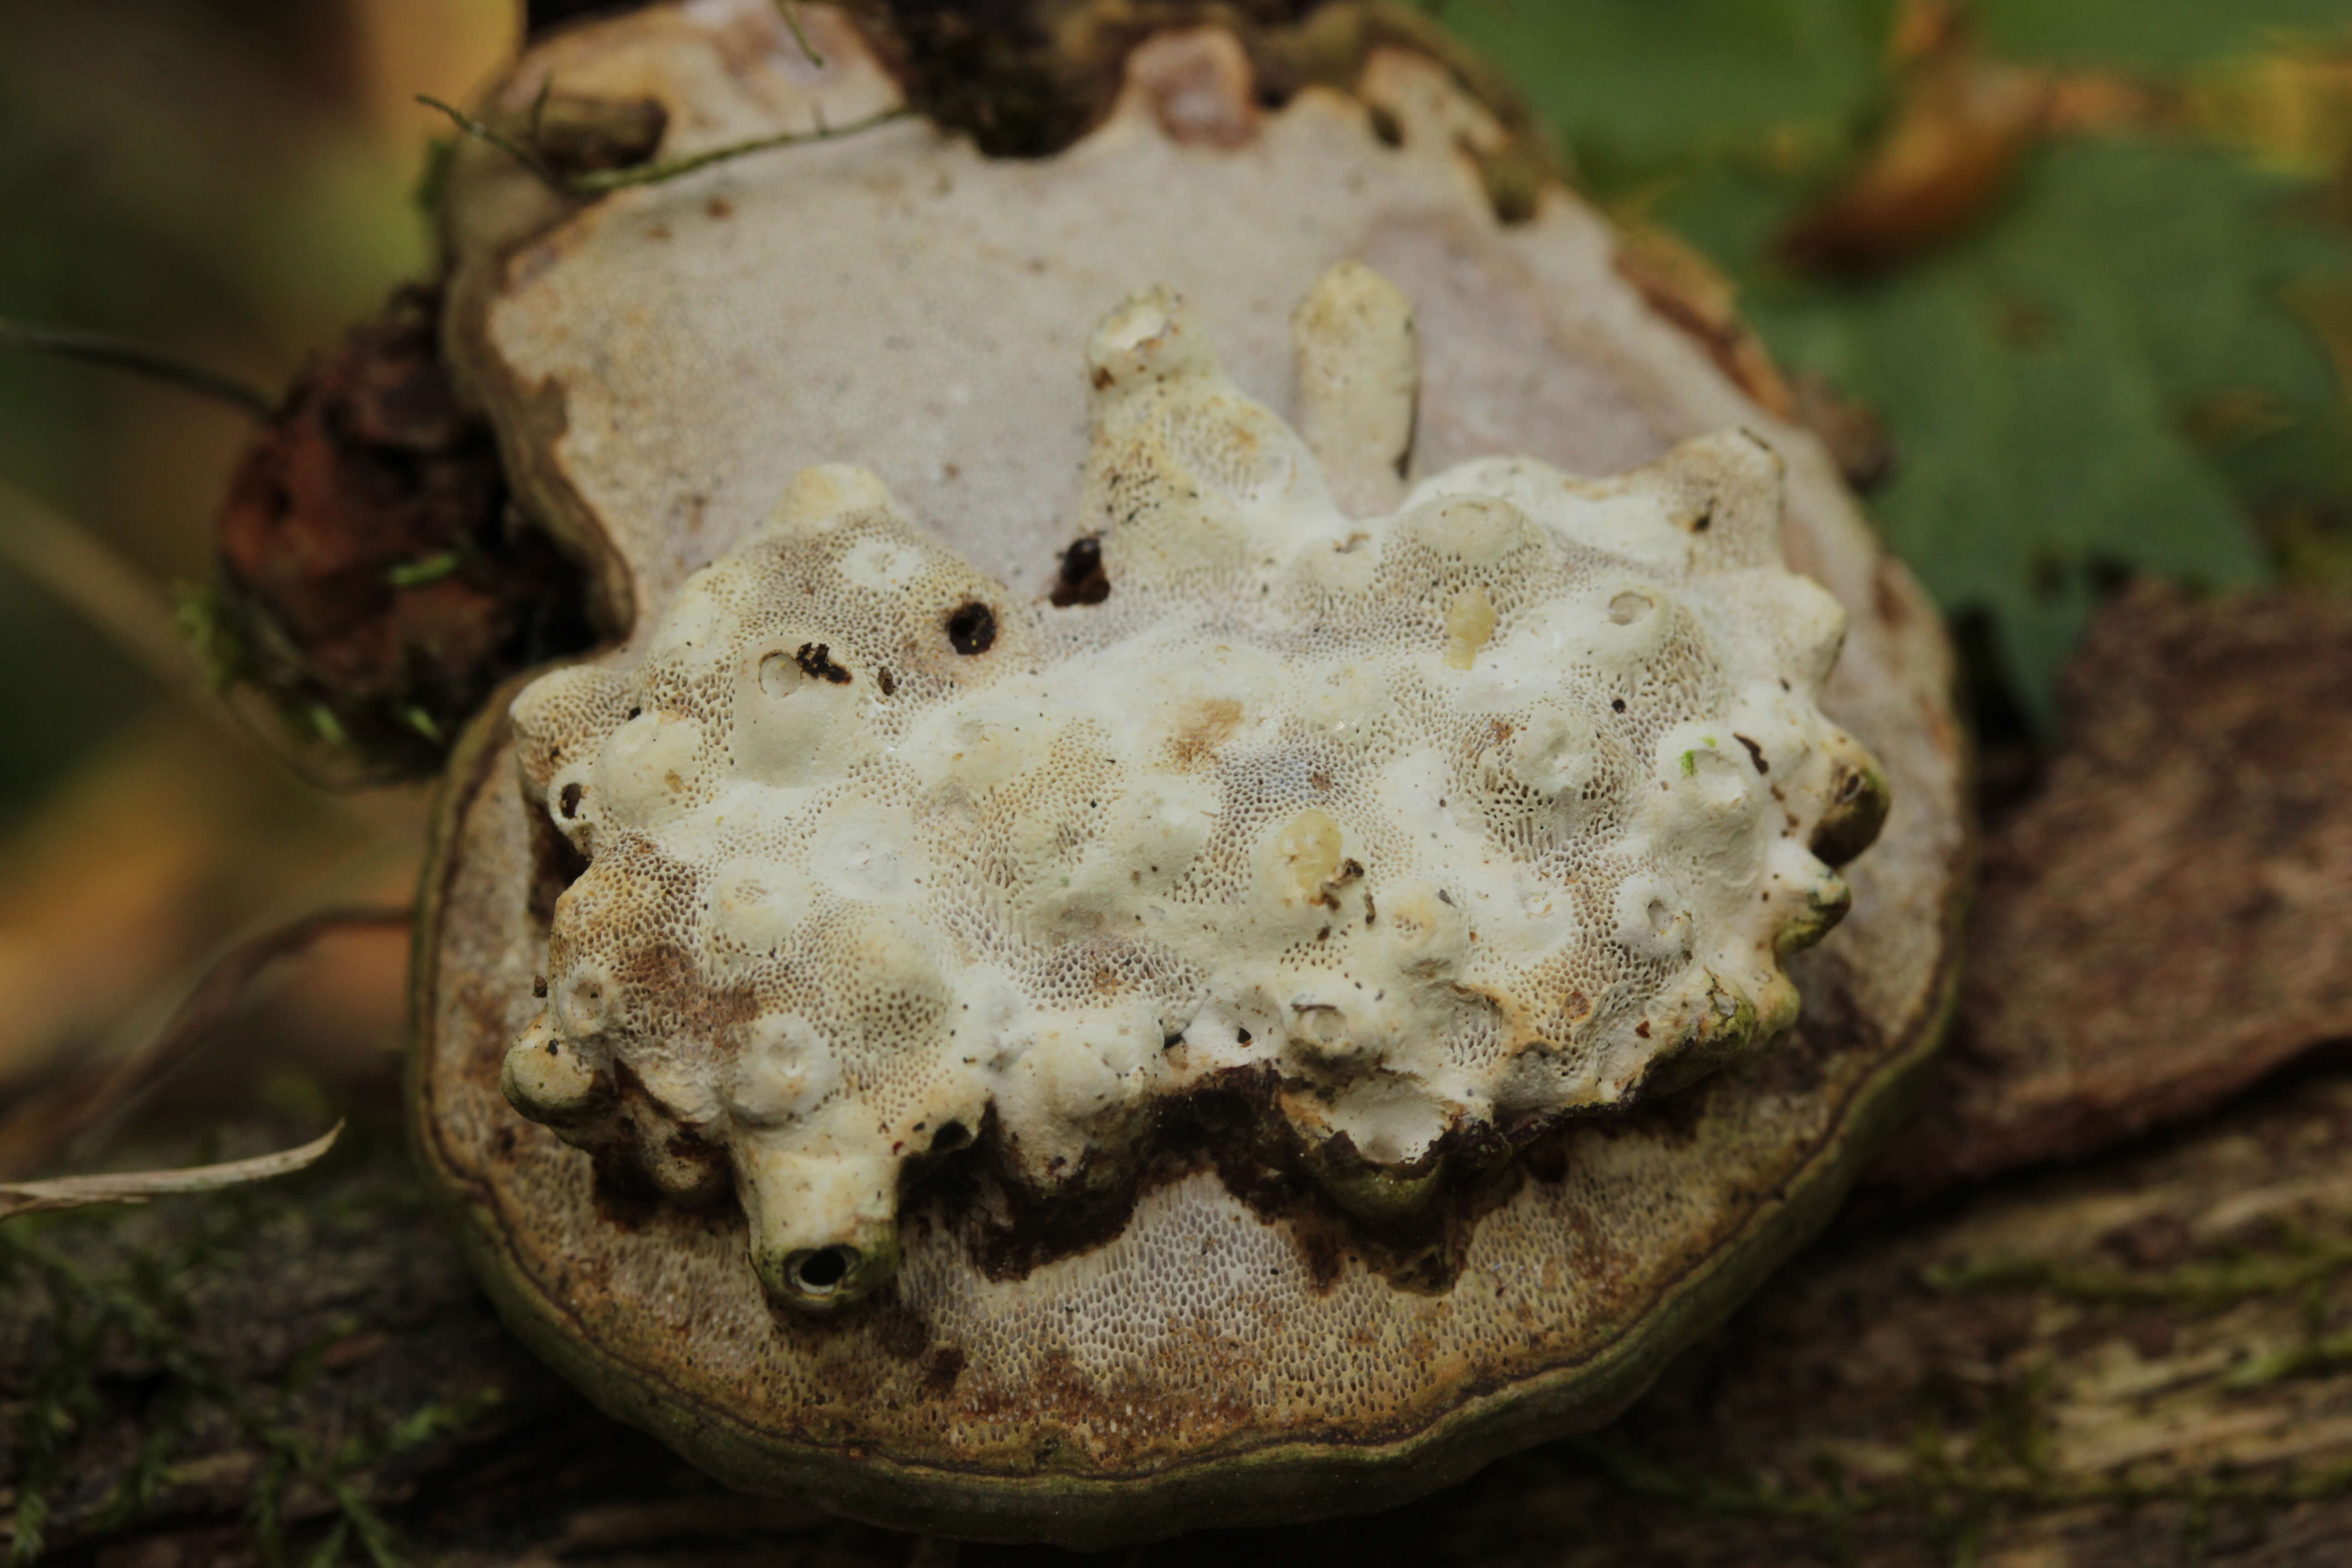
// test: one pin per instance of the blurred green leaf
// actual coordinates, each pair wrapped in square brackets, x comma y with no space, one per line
[1642,88]
[2150,34]
[2104,374]
[2045,379]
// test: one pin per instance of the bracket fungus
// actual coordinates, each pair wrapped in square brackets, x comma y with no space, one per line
[1138,954]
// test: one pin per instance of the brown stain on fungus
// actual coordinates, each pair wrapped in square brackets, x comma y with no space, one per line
[1209,724]
[815,659]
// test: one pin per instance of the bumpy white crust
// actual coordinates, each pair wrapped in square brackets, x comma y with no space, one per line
[1455,821]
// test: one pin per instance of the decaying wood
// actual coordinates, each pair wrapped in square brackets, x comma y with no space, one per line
[2148,1359]
[2114,1366]
[2170,917]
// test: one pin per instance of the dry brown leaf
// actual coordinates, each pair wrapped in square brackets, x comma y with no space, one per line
[138,1186]
[1961,128]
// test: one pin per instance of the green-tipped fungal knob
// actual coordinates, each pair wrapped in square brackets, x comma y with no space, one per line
[1236,937]
[1858,800]
[824,1232]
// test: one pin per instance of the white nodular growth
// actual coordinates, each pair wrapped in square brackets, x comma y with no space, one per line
[1424,830]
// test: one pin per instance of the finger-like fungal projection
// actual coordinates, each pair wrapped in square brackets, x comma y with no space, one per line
[1448,814]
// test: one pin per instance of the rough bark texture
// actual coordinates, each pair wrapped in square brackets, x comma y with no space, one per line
[2170,917]
[2144,1359]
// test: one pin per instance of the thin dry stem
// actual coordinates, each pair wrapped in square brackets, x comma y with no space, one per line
[40,1127]
[121,353]
[109,592]
[138,1186]
[599,182]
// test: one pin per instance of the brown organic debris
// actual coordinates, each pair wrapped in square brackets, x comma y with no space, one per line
[374,579]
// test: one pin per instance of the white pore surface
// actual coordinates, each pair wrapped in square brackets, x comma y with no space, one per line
[1475,811]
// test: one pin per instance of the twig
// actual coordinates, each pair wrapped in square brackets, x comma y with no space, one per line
[600,181]
[109,592]
[120,353]
[481,132]
[38,1128]
[138,1186]
[790,12]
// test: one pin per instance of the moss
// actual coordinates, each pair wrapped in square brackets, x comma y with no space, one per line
[1951,1492]
[111,1304]
[2293,1263]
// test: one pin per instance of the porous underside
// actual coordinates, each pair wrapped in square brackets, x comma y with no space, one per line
[661,362]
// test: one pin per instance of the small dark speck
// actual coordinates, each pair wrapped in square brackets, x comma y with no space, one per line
[971,628]
[1618,706]
[887,681]
[1081,579]
[1642,1029]
[539,984]
[1243,1035]
[1754,751]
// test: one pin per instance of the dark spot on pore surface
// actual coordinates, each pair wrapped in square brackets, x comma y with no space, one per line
[568,802]
[1754,751]
[942,1364]
[887,681]
[815,659]
[1082,580]
[971,628]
